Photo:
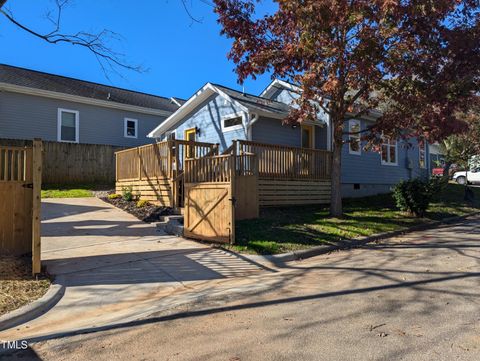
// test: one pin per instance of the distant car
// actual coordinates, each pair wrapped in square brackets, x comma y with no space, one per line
[471,176]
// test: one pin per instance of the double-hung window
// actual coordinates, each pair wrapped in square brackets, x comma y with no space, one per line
[130,129]
[354,144]
[389,151]
[67,125]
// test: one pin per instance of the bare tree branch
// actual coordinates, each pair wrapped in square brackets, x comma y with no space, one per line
[187,10]
[96,43]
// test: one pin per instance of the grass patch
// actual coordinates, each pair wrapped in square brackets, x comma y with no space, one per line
[17,286]
[286,229]
[71,190]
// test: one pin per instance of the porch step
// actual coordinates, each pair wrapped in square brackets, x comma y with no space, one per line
[171,225]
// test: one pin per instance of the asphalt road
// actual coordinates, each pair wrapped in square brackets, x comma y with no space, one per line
[416,297]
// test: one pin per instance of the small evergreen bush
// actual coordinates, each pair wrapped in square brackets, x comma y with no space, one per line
[414,196]
[114,196]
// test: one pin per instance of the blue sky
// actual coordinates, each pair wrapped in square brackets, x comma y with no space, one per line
[181,55]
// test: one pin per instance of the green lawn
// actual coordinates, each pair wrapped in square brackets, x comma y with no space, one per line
[70,191]
[286,229]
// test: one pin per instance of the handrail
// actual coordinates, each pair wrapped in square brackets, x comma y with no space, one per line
[278,146]
[287,162]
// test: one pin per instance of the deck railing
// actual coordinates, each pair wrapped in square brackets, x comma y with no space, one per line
[283,162]
[160,160]
[218,168]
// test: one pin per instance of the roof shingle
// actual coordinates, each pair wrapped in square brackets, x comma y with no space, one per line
[60,84]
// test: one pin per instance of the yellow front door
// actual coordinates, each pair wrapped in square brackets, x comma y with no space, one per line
[190,136]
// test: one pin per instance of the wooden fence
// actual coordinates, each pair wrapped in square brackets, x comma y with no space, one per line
[20,185]
[238,173]
[155,171]
[70,163]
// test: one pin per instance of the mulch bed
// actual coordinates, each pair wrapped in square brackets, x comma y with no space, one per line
[148,213]
[17,285]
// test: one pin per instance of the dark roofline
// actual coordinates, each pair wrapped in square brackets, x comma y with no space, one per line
[84,81]
[248,94]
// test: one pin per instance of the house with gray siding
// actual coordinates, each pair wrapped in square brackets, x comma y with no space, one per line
[55,108]
[217,114]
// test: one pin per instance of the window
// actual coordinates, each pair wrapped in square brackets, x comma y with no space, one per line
[67,125]
[307,136]
[354,145]
[130,129]
[422,151]
[232,123]
[389,151]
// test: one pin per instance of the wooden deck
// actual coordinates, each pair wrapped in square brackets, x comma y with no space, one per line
[268,174]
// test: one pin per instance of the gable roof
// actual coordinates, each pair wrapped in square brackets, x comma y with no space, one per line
[246,102]
[278,84]
[255,103]
[22,77]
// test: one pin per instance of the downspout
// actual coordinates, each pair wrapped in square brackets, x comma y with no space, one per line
[249,126]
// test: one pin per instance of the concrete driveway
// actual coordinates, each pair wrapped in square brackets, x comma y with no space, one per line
[415,297]
[117,268]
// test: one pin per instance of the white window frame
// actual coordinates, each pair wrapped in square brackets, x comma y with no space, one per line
[352,122]
[235,127]
[59,125]
[424,154]
[388,153]
[125,122]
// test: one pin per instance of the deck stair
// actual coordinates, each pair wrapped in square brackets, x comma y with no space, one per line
[172,224]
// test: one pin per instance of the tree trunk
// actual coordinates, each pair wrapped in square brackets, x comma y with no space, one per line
[336,201]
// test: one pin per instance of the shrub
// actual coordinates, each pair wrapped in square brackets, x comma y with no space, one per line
[114,196]
[127,193]
[414,196]
[142,203]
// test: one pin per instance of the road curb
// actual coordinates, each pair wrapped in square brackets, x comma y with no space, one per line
[277,259]
[34,309]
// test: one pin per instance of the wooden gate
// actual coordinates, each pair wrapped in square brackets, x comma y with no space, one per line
[209,201]
[20,186]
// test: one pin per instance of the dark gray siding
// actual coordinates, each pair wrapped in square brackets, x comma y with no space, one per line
[273,131]
[207,118]
[26,117]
